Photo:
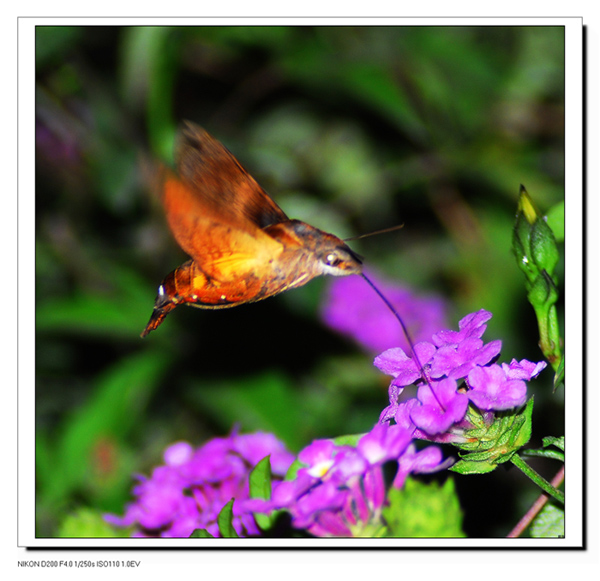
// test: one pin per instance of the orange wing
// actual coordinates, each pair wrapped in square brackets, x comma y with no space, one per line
[221,182]
[222,248]
[216,210]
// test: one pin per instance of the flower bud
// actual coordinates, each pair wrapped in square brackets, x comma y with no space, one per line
[533,240]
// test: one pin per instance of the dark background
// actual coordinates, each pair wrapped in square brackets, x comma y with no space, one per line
[351,129]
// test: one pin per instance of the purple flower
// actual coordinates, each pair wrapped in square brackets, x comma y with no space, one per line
[190,490]
[493,389]
[439,409]
[254,447]
[340,491]
[457,360]
[449,357]
[178,454]
[383,443]
[160,496]
[470,326]
[523,369]
[426,461]
[318,456]
[400,413]
[352,308]
[401,367]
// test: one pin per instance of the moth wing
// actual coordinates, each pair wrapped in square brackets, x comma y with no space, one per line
[222,248]
[219,180]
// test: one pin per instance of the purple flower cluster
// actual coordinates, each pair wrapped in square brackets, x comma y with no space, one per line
[340,490]
[450,357]
[189,491]
[352,308]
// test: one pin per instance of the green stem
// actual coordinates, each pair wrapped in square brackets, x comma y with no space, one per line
[541,482]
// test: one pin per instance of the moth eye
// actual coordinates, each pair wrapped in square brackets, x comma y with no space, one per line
[332,259]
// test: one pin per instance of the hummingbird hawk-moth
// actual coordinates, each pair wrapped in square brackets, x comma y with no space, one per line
[243,247]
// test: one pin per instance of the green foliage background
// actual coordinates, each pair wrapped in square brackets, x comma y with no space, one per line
[351,129]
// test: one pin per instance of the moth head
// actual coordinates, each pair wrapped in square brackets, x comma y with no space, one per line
[340,260]
[329,253]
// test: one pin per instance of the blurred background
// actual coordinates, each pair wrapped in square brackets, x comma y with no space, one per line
[351,129]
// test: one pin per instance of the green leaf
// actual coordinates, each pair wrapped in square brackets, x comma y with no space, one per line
[263,402]
[201,534]
[44,458]
[225,521]
[550,523]
[554,441]
[53,43]
[472,467]
[348,440]
[550,453]
[150,65]
[113,409]
[115,312]
[523,433]
[378,88]
[493,443]
[260,487]
[423,510]
[292,471]
[87,523]
[140,46]
[260,479]
[555,218]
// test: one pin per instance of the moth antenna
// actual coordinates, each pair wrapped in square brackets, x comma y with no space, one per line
[384,231]
[406,334]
